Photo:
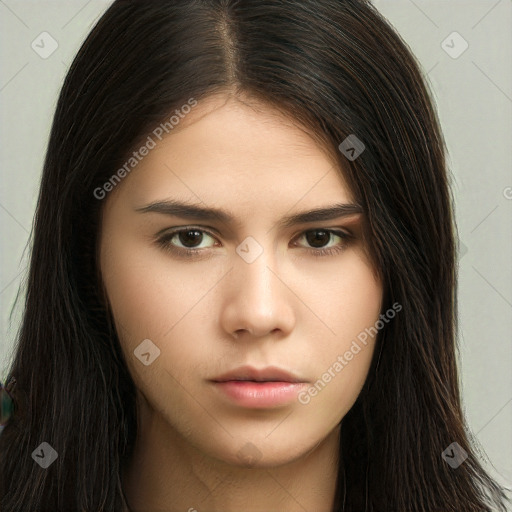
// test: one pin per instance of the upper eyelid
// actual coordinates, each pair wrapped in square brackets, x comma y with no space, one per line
[349,221]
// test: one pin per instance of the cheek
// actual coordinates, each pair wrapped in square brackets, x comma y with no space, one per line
[133,290]
[350,300]
[352,306]
[151,299]
[145,291]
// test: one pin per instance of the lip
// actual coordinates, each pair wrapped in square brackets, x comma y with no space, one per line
[267,374]
[259,389]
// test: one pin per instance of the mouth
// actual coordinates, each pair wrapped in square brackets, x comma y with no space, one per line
[267,388]
[242,379]
[251,374]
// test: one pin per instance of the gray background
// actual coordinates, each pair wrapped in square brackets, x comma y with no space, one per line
[473,92]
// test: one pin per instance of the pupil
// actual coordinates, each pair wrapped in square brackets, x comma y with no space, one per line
[318,237]
[187,237]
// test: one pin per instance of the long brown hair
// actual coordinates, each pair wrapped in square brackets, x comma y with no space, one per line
[338,68]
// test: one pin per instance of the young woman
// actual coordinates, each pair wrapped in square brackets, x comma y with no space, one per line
[242,286]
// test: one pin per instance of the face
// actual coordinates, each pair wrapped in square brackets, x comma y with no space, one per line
[260,292]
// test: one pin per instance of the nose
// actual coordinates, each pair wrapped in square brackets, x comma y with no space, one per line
[257,300]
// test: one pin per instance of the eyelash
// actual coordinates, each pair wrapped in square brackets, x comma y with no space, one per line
[165,242]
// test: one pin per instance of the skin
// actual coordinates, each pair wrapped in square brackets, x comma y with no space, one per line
[216,312]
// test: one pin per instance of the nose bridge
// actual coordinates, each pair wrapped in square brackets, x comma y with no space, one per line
[258,299]
[255,269]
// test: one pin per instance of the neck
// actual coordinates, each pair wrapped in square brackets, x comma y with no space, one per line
[166,472]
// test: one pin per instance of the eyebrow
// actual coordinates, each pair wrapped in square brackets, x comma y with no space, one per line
[201,213]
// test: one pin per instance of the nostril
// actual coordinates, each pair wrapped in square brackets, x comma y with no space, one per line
[238,331]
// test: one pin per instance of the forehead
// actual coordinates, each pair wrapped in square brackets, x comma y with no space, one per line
[226,151]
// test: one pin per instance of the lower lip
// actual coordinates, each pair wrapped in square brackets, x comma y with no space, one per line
[260,395]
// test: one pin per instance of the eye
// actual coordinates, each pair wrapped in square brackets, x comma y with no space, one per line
[189,238]
[188,242]
[319,237]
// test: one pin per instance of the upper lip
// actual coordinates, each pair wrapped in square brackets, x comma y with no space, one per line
[268,374]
